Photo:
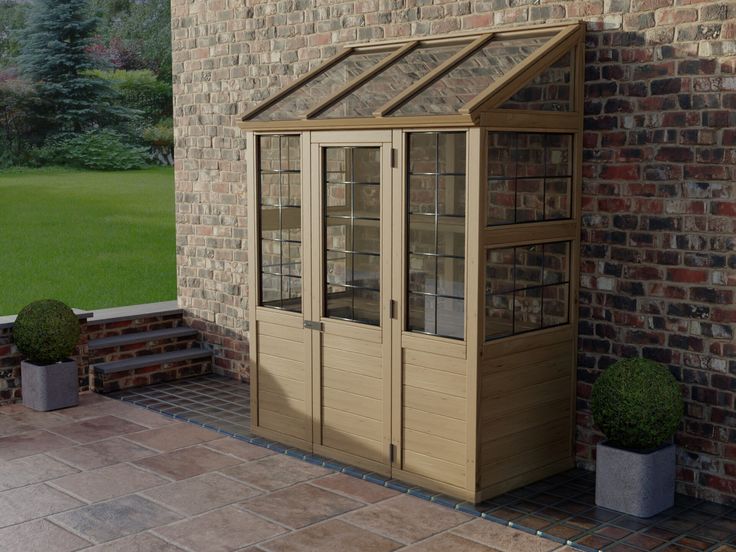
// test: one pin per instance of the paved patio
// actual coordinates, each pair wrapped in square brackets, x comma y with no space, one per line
[109,476]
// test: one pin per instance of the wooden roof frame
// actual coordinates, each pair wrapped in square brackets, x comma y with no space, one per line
[564,38]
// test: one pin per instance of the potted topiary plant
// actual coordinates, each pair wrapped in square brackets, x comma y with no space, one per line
[46,332]
[637,404]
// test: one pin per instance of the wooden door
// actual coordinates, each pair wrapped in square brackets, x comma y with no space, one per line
[351,183]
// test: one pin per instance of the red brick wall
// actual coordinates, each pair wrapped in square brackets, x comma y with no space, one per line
[659,253]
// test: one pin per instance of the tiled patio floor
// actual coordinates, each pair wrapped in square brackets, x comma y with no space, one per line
[111,477]
[561,508]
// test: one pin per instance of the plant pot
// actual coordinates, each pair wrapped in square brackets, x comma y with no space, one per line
[635,483]
[49,387]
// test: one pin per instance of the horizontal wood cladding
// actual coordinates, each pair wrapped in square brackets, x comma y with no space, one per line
[352,409]
[525,416]
[434,413]
[282,389]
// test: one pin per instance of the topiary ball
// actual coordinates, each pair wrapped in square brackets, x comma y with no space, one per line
[46,332]
[637,404]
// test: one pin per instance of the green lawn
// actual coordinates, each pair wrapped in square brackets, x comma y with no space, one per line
[91,239]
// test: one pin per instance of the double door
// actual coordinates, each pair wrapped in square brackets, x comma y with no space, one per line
[323,370]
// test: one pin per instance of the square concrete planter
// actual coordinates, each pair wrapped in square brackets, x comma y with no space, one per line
[635,483]
[49,387]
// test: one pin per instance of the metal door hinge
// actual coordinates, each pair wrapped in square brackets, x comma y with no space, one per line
[394,157]
[392,309]
[392,453]
[313,325]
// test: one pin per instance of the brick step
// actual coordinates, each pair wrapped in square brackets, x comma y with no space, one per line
[141,337]
[143,361]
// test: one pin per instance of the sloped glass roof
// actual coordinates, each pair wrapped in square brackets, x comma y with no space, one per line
[445,76]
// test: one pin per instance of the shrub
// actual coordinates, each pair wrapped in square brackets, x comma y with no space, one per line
[103,150]
[140,91]
[637,404]
[46,331]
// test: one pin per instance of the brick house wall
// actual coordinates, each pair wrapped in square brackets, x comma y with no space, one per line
[659,239]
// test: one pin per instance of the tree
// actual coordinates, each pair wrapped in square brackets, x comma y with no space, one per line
[135,34]
[55,56]
[12,19]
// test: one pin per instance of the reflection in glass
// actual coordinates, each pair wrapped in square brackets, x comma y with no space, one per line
[529,177]
[352,238]
[383,87]
[527,288]
[468,79]
[549,91]
[303,99]
[279,194]
[436,233]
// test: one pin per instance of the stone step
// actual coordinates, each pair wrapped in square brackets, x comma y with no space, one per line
[195,353]
[140,337]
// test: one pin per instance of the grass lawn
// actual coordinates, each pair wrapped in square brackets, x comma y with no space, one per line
[91,239]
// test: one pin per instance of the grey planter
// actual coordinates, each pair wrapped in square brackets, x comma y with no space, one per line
[637,484]
[49,387]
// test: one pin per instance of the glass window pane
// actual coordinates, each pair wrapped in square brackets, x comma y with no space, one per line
[501,202]
[308,96]
[367,165]
[366,271]
[556,262]
[528,266]
[529,199]
[423,153]
[464,82]
[555,305]
[450,317]
[499,315]
[557,193]
[451,236]
[391,81]
[549,91]
[558,158]
[529,177]
[436,229]
[279,192]
[367,200]
[367,236]
[336,269]
[451,158]
[337,199]
[422,315]
[527,310]
[352,238]
[500,270]
[422,193]
[450,277]
[451,195]
[527,288]
[422,270]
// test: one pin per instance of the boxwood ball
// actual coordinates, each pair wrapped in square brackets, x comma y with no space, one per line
[46,332]
[637,404]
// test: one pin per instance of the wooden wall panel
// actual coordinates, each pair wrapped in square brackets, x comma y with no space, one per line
[353,404]
[434,425]
[282,385]
[525,415]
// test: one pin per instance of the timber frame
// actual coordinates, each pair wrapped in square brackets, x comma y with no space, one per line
[496,414]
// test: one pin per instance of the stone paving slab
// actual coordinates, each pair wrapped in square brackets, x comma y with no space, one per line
[106,476]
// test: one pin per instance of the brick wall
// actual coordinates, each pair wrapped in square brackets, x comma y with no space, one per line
[10,358]
[660,205]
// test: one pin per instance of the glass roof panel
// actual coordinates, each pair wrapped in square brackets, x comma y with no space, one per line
[401,74]
[309,95]
[468,79]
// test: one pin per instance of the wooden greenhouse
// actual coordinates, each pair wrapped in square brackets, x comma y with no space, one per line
[415,206]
